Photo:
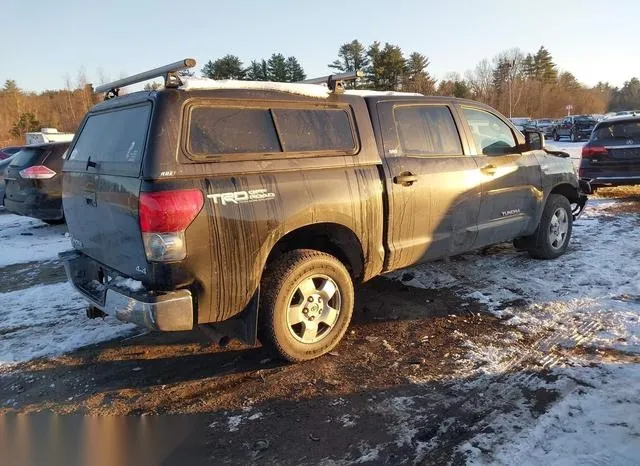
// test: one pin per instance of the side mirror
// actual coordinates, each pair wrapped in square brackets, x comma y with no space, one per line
[534,140]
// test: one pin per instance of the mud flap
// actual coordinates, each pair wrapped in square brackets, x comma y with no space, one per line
[578,207]
[244,326]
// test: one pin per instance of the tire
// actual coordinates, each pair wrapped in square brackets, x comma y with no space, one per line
[59,221]
[299,286]
[551,239]
[556,137]
[56,221]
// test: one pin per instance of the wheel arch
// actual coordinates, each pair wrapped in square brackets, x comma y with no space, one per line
[567,190]
[331,238]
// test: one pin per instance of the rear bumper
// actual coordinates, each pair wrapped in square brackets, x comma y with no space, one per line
[613,180]
[39,206]
[113,294]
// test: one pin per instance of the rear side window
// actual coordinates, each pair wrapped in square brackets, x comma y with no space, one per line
[218,130]
[304,130]
[491,135]
[227,130]
[28,156]
[619,133]
[427,130]
[115,140]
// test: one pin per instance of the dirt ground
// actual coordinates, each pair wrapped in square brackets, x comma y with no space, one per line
[400,369]
[405,344]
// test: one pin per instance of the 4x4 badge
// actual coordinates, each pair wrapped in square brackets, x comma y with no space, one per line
[241,197]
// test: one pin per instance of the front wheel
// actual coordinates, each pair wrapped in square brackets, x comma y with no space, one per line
[551,238]
[307,303]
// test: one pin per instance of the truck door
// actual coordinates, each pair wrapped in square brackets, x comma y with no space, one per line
[511,180]
[433,188]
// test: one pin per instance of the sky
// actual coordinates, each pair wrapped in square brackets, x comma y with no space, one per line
[44,43]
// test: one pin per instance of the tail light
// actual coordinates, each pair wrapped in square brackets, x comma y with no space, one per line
[37,172]
[164,216]
[593,151]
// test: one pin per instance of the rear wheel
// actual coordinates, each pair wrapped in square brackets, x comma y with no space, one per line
[306,306]
[59,221]
[551,238]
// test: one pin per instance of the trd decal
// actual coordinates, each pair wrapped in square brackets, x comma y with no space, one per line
[241,197]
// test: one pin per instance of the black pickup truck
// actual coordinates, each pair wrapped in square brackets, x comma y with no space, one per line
[251,209]
[574,127]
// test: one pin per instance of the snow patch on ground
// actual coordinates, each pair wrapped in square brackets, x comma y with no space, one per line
[25,239]
[49,320]
[585,285]
[588,297]
[594,422]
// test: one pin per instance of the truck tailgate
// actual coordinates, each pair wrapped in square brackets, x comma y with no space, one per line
[102,187]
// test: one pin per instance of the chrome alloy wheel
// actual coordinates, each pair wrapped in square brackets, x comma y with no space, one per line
[314,308]
[558,228]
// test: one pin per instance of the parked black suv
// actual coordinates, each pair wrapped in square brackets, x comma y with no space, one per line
[612,155]
[574,127]
[33,182]
[257,206]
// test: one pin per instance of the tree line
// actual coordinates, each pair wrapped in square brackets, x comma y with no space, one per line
[514,82]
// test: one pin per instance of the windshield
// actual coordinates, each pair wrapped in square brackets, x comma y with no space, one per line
[620,132]
[585,120]
[27,156]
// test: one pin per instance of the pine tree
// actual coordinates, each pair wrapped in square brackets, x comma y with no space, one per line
[386,67]
[295,72]
[25,123]
[461,90]
[227,67]
[277,68]
[568,81]
[453,85]
[529,67]
[417,78]
[352,56]
[10,86]
[257,71]
[627,97]
[501,75]
[545,69]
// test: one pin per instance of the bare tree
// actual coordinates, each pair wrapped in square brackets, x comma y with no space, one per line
[480,80]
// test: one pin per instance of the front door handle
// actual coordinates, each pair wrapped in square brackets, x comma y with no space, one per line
[405,179]
[489,169]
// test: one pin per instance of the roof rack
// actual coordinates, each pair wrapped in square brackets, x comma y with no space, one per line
[169,72]
[335,82]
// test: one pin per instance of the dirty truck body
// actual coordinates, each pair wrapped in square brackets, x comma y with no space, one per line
[206,201]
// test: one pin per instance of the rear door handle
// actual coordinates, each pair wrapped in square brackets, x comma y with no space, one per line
[489,169]
[405,179]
